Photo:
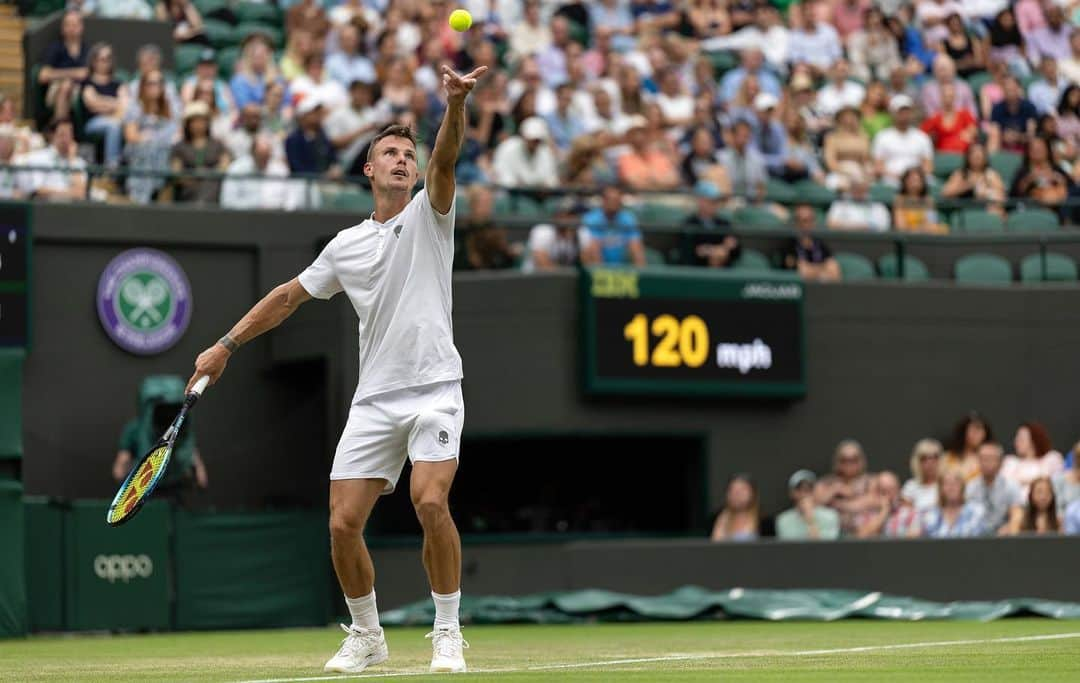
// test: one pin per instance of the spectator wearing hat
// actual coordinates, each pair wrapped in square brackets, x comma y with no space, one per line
[308,149]
[348,64]
[740,518]
[207,71]
[610,233]
[259,180]
[744,165]
[526,159]
[104,99]
[952,516]
[1001,499]
[752,62]
[255,70]
[767,135]
[557,244]
[922,490]
[197,152]
[806,520]
[185,18]
[856,211]
[901,146]
[807,254]
[643,166]
[711,242]
[888,514]
[64,66]
[839,92]
[350,128]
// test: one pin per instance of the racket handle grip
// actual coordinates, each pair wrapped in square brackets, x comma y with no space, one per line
[200,385]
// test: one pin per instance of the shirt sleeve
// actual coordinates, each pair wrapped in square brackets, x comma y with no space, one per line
[129,437]
[320,279]
[443,220]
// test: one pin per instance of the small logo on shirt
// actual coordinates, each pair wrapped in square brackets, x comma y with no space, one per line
[397,229]
[444,438]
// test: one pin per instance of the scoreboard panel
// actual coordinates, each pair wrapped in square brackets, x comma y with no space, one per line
[692,331]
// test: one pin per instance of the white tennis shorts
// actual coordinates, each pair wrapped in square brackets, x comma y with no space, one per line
[422,423]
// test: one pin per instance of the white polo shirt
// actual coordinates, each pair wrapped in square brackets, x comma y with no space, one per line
[397,276]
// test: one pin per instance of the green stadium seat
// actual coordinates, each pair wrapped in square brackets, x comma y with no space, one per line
[226,60]
[814,193]
[1006,164]
[855,267]
[1059,268]
[245,29]
[1032,220]
[666,214]
[779,191]
[755,217]
[883,192]
[186,57]
[977,80]
[515,207]
[219,33]
[209,8]
[722,62]
[976,222]
[946,162]
[654,257]
[983,269]
[257,11]
[914,269]
[752,260]
[45,7]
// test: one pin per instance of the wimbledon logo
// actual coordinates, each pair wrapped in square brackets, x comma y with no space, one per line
[144,301]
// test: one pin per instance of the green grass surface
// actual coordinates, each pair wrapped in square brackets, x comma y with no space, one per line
[741,650]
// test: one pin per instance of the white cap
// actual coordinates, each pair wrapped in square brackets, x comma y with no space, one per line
[764,101]
[308,103]
[534,128]
[898,102]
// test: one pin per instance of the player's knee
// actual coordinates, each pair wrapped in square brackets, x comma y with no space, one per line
[345,527]
[431,511]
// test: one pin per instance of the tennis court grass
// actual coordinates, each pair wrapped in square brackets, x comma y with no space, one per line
[1010,650]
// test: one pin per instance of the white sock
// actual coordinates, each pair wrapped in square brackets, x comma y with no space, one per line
[363,611]
[446,609]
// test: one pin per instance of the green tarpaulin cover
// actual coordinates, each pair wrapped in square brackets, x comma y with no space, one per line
[692,602]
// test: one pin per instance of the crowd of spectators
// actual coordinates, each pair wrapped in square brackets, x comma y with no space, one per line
[661,98]
[968,489]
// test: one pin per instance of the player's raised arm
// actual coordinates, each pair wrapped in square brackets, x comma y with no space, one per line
[440,172]
[271,311]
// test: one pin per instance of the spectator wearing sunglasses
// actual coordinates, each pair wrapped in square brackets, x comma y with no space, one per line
[847,489]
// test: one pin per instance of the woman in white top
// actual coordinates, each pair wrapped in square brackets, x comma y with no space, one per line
[922,489]
[1034,457]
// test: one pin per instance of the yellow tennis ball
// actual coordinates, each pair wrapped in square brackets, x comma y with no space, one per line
[460,20]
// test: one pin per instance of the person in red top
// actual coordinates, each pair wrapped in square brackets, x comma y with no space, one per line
[952,129]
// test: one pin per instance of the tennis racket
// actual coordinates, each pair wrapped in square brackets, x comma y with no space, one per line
[145,475]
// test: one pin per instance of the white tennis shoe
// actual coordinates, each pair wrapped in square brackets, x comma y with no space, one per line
[362,647]
[447,645]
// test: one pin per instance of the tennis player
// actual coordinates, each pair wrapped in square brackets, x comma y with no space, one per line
[395,269]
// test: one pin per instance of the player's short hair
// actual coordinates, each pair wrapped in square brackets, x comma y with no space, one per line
[394,131]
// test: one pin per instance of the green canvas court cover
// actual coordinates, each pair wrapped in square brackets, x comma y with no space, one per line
[691,602]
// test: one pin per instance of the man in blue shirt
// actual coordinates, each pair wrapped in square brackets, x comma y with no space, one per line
[1012,119]
[308,149]
[753,62]
[610,233]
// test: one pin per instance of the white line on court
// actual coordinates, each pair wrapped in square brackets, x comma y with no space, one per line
[690,657]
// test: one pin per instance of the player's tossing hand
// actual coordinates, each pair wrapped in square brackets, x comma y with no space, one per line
[457,85]
[210,362]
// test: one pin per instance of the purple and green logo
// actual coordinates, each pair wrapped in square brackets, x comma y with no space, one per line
[144,301]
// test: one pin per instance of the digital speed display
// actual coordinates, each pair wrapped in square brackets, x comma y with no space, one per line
[692,331]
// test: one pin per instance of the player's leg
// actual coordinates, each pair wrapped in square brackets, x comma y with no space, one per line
[433,447]
[351,502]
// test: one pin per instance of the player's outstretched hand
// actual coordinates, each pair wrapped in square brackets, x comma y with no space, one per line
[210,362]
[457,85]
